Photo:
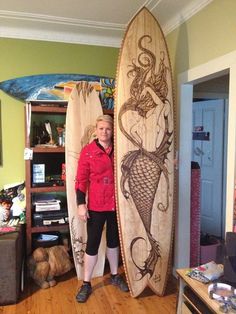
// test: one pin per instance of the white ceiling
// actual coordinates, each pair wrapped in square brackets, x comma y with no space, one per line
[94,22]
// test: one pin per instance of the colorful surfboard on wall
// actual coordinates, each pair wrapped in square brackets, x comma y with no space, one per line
[144,150]
[57,87]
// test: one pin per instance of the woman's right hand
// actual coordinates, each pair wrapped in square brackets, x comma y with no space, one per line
[83,212]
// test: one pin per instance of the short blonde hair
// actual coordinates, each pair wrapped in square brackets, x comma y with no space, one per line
[105,118]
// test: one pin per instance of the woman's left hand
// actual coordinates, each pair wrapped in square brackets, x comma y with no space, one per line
[83,212]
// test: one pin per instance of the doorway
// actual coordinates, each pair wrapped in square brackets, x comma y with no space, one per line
[208,152]
[187,81]
[210,109]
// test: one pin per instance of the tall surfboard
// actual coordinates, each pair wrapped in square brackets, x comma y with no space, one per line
[144,151]
[83,108]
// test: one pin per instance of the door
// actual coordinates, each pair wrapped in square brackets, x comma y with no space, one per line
[207,150]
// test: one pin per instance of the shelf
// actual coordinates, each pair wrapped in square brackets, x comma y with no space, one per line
[51,156]
[60,108]
[50,228]
[46,149]
[108,111]
[198,305]
[48,109]
[191,303]
[57,188]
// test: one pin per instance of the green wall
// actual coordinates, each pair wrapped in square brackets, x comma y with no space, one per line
[207,35]
[26,57]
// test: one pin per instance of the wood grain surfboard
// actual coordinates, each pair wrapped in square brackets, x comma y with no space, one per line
[83,108]
[144,154]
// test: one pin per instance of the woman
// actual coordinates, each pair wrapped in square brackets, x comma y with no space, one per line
[95,176]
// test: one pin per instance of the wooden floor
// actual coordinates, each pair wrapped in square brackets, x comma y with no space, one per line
[104,299]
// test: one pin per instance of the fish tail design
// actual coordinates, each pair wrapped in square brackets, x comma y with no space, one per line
[143,180]
[151,260]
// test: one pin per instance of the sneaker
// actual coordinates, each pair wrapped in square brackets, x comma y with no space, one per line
[118,281]
[84,293]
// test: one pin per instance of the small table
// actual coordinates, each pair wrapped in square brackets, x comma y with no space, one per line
[195,294]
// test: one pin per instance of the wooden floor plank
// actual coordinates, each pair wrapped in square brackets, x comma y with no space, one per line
[105,299]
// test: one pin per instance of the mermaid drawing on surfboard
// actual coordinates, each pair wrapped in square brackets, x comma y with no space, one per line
[148,109]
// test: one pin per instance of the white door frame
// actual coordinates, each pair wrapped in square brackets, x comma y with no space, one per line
[214,68]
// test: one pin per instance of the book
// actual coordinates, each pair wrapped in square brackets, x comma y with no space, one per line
[38,173]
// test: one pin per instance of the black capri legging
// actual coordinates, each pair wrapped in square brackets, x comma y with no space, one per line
[95,224]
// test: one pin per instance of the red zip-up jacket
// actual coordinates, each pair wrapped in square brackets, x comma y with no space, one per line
[95,176]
